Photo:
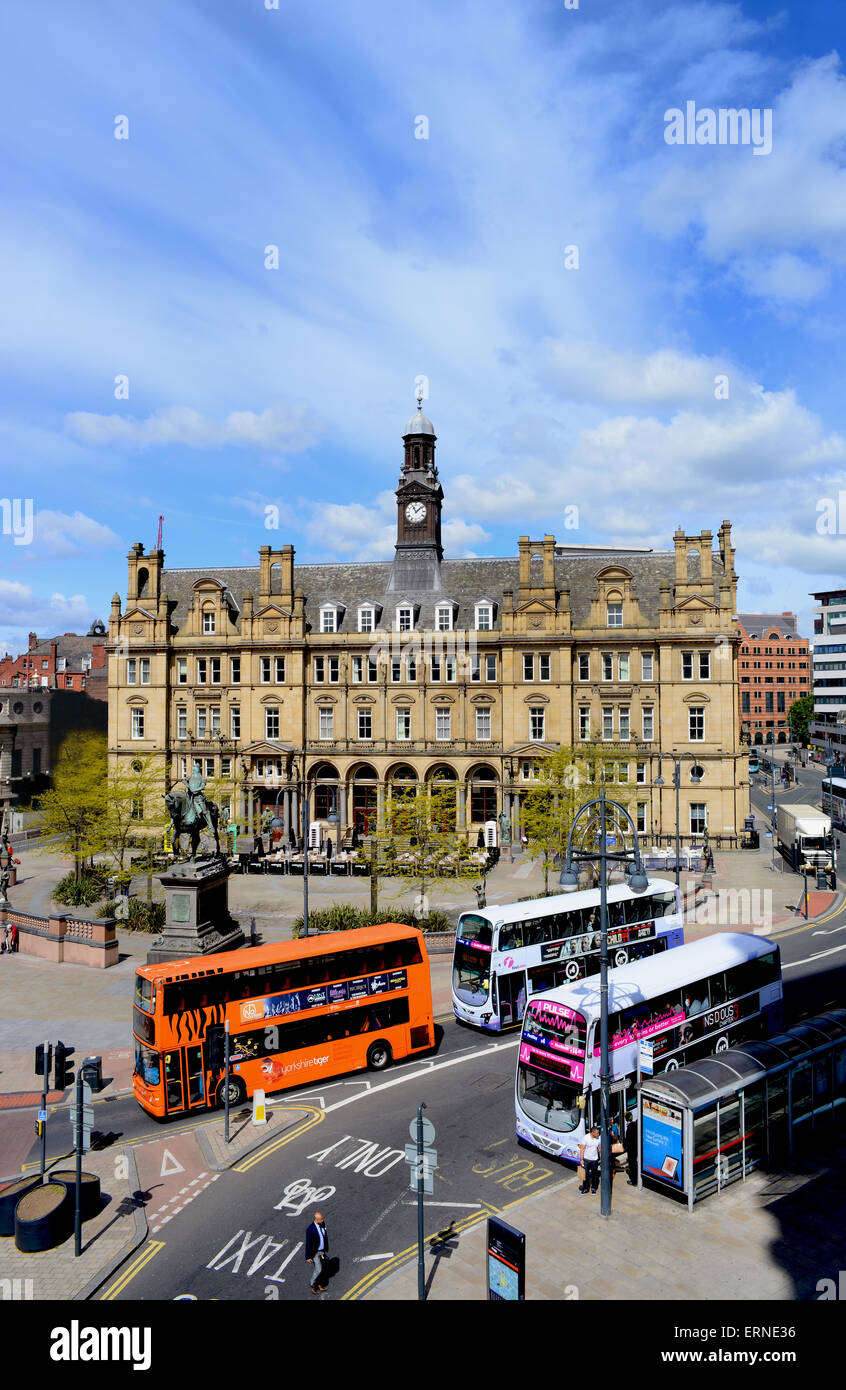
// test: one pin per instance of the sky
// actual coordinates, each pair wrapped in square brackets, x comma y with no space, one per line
[236,237]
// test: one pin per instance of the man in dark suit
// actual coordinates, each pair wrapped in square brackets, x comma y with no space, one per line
[316,1252]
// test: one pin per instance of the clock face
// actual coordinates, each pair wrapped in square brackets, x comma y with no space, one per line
[415,512]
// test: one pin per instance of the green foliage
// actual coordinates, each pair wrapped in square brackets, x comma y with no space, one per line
[345,917]
[568,779]
[144,916]
[72,808]
[799,717]
[81,891]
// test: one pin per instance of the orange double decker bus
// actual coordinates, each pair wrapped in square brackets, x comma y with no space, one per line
[298,1010]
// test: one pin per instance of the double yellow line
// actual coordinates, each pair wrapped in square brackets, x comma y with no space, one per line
[312,1117]
[147,1254]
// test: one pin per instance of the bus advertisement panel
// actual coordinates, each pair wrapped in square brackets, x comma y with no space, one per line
[322,1005]
[694,1001]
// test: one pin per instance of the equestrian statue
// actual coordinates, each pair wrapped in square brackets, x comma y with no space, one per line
[191,812]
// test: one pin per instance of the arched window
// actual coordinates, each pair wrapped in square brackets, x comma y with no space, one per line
[483,795]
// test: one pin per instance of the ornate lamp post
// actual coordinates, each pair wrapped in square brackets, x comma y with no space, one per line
[638,882]
[695,776]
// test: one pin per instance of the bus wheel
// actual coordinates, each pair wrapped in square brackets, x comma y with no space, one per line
[621,958]
[237,1092]
[378,1056]
[571,970]
[722,1044]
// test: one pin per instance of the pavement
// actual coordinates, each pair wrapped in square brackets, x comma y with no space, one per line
[744,1242]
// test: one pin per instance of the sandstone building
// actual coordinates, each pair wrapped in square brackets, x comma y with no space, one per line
[368,679]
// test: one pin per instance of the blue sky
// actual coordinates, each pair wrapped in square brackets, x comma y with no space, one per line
[550,385]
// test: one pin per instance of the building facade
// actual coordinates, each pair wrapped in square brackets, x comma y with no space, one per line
[774,670]
[361,681]
[828,727]
[71,661]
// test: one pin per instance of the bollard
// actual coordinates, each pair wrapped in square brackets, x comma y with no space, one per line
[259,1108]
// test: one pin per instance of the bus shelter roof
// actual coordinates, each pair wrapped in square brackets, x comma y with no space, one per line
[702,1083]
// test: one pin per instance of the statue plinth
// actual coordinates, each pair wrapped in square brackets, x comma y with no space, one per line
[197,918]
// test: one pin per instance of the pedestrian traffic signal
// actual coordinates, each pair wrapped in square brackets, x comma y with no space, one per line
[43,1055]
[64,1066]
[214,1047]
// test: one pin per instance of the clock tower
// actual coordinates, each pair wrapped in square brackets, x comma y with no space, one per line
[419,501]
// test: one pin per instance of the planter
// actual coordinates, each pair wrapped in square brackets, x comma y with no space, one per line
[43,1218]
[89,1190]
[9,1198]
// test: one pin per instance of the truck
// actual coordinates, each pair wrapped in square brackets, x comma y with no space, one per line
[806,840]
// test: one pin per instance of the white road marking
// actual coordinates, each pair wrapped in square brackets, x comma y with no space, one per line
[362,1259]
[439,1066]
[832,951]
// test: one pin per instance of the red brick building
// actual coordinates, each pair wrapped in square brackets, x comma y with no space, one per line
[774,670]
[70,662]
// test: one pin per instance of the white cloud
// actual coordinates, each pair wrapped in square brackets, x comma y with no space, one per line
[784,278]
[24,611]
[60,534]
[596,372]
[781,208]
[283,429]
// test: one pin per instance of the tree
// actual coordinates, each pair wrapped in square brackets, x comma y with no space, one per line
[417,839]
[799,717]
[72,809]
[567,780]
[134,812]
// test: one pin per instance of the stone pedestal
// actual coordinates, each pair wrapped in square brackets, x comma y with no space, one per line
[197,919]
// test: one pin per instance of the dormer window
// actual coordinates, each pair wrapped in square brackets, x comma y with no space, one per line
[484,617]
[330,617]
[366,619]
[443,617]
[208,621]
[405,618]
[614,615]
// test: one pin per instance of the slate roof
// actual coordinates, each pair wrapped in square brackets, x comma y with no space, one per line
[464,582]
[757,624]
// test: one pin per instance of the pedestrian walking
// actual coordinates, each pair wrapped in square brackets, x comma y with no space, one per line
[316,1252]
[13,937]
[589,1155]
[631,1151]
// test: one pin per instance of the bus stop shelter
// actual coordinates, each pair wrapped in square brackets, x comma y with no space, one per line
[707,1125]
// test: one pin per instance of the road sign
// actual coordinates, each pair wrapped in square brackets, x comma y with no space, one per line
[42,1115]
[646,1050]
[428,1131]
[422,1166]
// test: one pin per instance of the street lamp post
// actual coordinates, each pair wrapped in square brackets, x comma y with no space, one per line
[638,883]
[695,776]
[276,823]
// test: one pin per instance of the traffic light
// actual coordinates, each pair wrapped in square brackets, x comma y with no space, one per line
[43,1059]
[64,1066]
[214,1047]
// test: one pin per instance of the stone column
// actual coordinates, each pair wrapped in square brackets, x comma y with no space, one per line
[286,813]
[380,803]
[342,805]
[461,792]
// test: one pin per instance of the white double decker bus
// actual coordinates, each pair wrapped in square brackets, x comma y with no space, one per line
[703,998]
[506,953]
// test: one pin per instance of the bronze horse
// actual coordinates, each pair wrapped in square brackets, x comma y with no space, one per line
[190,813]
